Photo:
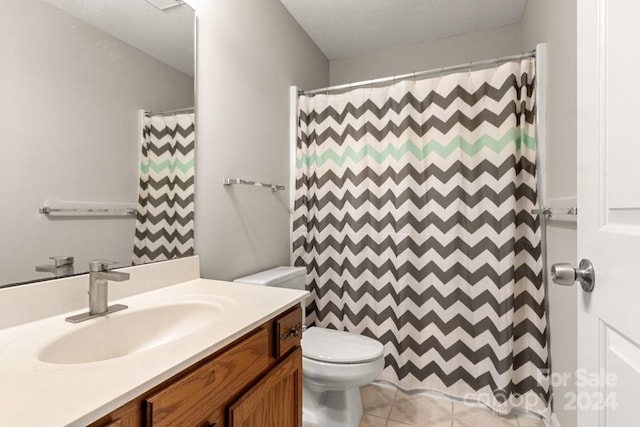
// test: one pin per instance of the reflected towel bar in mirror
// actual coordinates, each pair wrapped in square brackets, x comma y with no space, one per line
[47,210]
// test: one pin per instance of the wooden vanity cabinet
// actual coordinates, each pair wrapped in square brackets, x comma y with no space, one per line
[256,381]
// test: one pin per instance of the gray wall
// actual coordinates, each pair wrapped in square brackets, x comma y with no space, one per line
[69,120]
[425,56]
[249,53]
[555,22]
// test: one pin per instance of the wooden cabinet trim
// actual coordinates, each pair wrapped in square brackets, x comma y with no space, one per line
[129,415]
[288,331]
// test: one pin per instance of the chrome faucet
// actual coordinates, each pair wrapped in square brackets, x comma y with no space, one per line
[99,276]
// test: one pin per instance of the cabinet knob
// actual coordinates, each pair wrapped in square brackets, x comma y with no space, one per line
[293,332]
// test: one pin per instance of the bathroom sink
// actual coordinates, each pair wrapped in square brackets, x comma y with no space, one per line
[130,331]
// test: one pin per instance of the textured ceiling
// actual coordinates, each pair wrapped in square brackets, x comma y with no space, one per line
[167,36]
[344,28]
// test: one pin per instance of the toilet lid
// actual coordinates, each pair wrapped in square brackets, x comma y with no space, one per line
[329,345]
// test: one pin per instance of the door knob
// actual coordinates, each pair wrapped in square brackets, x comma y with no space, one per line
[566,275]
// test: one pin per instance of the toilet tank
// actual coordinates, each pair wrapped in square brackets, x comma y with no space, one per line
[281,277]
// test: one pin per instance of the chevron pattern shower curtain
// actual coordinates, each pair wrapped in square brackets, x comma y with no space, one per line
[412,217]
[164,223]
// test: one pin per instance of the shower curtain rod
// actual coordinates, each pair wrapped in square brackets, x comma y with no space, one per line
[169,112]
[421,74]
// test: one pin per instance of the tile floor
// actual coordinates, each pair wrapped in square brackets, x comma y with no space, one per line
[388,407]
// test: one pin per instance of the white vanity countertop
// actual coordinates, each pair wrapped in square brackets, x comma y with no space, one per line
[37,393]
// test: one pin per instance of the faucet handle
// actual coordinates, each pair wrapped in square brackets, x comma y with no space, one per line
[60,261]
[62,266]
[100,265]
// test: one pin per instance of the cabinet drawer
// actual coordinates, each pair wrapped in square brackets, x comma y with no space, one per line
[288,331]
[128,415]
[194,398]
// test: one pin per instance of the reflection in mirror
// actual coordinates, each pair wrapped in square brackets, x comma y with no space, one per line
[77,76]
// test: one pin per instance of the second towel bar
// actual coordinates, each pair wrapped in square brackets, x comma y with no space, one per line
[549,212]
[232,181]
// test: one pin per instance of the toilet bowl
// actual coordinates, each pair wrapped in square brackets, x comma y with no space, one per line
[335,364]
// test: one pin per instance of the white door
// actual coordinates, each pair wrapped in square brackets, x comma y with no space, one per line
[609,212]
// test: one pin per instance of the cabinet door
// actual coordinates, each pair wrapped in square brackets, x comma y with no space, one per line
[275,401]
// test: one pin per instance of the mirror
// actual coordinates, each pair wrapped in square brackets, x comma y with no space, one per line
[76,76]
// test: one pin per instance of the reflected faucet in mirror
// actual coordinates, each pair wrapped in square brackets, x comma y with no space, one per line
[99,276]
[62,266]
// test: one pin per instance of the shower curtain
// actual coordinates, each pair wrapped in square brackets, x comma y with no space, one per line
[164,223]
[413,219]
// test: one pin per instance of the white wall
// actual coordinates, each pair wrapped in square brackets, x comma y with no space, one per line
[428,55]
[554,22]
[249,53]
[69,131]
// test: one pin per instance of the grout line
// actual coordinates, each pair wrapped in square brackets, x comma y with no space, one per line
[393,404]
[451,414]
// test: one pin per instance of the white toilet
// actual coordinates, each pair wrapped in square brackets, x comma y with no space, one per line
[334,364]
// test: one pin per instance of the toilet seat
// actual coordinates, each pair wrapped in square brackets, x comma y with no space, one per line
[338,347]
[340,376]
